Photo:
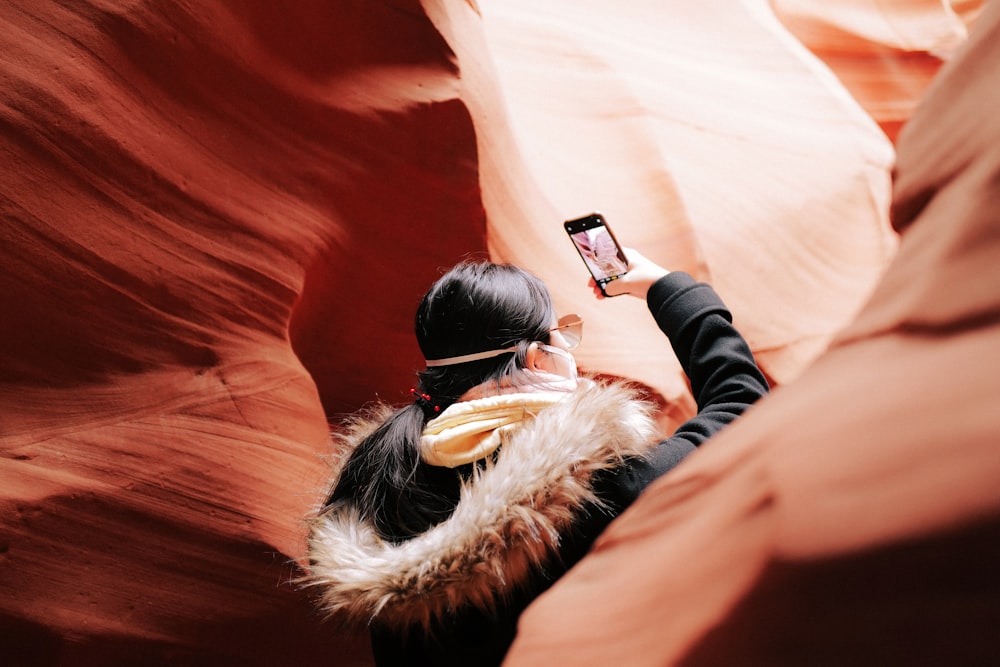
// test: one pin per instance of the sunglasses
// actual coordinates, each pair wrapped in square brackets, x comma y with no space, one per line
[571,329]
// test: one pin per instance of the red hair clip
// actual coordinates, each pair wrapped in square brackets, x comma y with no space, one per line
[425,401]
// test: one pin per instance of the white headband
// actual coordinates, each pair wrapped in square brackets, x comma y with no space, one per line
[449,361]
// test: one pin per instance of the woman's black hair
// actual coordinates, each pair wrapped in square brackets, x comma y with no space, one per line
[475,307]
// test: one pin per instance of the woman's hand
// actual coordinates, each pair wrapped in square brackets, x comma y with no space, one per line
[642,273]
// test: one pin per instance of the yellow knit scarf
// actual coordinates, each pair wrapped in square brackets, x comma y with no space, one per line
[470,430]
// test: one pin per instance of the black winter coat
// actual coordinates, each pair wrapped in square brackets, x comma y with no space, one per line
[452,595]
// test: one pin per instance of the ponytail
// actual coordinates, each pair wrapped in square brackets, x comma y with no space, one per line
[389,484]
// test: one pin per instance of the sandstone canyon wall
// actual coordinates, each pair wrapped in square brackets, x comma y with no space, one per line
[218,218]
[206,209]
[853,515]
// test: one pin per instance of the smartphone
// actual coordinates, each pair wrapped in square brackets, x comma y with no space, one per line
[598,247]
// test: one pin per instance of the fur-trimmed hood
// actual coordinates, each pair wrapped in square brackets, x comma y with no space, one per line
[508,520]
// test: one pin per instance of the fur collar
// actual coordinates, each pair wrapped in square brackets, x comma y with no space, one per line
[507,522]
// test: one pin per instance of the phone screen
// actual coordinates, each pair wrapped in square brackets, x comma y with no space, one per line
[598,247]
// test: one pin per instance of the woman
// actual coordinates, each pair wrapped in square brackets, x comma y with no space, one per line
[450,515]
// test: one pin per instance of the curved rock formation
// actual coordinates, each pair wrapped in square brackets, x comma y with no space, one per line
[208,237]
[852,516]
[218,218]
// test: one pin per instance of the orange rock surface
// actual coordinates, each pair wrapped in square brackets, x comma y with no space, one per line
[886,53]
[853,515]
[216,221]
[218,218]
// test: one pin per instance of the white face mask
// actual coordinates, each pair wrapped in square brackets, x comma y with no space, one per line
[570,361]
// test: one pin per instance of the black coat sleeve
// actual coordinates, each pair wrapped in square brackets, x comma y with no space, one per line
[724,377]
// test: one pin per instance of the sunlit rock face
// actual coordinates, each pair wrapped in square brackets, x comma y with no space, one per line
[853,515]
[884,53]
[218,219]
[713,141]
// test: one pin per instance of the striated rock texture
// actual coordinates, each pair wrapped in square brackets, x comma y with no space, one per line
[710,139]
[218,217]
[886,53]
[853,516]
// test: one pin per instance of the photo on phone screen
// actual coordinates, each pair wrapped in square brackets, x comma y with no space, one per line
[598,247]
